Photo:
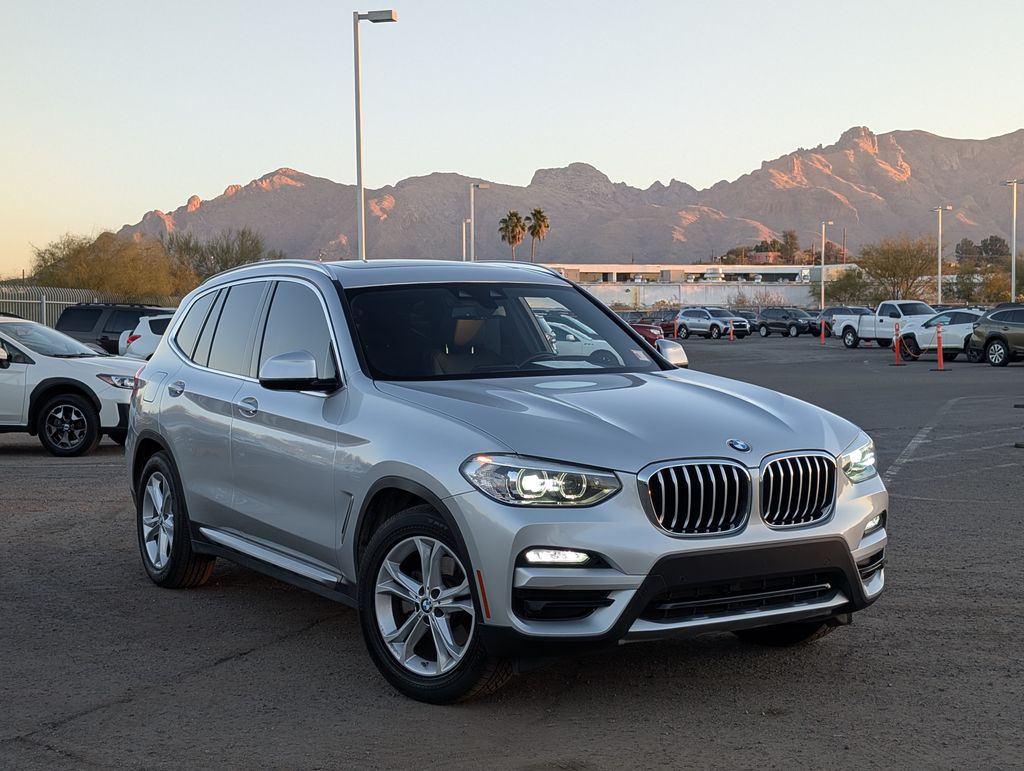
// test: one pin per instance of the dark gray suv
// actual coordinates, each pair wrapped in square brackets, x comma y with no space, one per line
[404,437]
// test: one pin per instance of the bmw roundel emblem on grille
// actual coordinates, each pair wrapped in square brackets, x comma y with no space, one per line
[739,445]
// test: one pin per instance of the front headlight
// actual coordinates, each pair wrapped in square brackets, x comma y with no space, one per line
[523,481]
[858,462]
[118,381]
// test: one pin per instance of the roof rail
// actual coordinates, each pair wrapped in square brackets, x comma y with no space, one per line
[526,265]
[287,263]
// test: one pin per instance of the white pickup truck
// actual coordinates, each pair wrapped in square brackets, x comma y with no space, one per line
[881,326]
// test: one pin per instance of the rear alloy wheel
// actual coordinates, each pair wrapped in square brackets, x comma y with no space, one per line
[850,339]
[683,333]
[997,354]
[785,635]
[763,330]
[794,331]
[418,613]
[909,349]
[68,426]
[974,355]
[716,332]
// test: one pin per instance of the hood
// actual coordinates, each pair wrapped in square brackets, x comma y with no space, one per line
[101,365]
[626,421]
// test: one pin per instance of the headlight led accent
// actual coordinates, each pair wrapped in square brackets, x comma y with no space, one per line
[521,481]
[544,556]
[858,462]
[118,381]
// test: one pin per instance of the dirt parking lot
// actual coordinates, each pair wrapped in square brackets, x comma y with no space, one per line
[98,667]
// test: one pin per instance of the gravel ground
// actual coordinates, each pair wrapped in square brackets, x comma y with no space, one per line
[100,668]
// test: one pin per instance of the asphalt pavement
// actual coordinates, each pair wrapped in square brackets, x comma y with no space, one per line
[99,668]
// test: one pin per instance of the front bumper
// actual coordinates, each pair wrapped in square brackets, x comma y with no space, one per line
[656,585]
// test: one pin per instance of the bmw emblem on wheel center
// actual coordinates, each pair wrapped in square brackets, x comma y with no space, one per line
[739,445]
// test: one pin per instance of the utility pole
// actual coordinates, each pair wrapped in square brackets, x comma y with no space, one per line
[1012,184]
[844,246]
[938,252]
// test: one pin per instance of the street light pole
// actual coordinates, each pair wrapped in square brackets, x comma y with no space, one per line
[823,224]
[464,223]
[373,17]
[938,251]
[473,186]
[1012,184]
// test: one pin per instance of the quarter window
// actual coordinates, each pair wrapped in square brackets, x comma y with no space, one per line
[78,319]
[119,321]
[192,324]
[296,322]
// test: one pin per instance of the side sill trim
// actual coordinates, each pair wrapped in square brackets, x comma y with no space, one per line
[272,557]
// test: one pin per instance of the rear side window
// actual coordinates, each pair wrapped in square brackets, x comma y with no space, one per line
[296,322]
[192,324]
[119,321]
[1017,317]
[1002,316]
[230,351]
[158,326]
[78,319]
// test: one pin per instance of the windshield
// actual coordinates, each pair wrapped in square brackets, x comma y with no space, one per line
[43,340]
[718,313]
[798,313]
[445,331]
[916,309]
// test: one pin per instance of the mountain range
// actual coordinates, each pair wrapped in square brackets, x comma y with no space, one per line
[873,185]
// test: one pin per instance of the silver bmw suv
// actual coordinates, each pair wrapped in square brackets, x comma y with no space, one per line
[403,437]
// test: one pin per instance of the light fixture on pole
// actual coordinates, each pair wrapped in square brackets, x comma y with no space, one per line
[938,252]
[823,224]
[473,187]
[1012,184]
[374,17]
[464,223]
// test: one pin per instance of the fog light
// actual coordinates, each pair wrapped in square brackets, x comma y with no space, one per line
[875,523]
[556,557]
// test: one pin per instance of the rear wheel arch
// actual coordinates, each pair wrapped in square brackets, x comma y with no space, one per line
[56,386]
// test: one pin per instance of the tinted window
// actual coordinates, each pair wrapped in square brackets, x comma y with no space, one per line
[297,323]
[915,309]
[229,351]
[78,319]
[192,324]
[885,309]
[158,326]
[119,321]
[1003,316]
[1017,317]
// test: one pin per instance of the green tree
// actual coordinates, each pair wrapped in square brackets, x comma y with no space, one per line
[790,246]
[967,249]
[512,229]
[899,268]
[537,225]
[227,249]
[994,246]
[968,284]
[850,288]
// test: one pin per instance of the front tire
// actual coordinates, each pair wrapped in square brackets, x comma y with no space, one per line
[68,426]
[884,342]
[909,349]
[794,331]
[763,330]
[716,333]
[683,333]
[162,525]
[419,614]
[997,354]
[850,339]
[786,635]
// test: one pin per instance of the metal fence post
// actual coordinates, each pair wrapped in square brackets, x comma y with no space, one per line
[42,309]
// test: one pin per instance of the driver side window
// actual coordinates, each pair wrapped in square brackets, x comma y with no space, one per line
[14,355]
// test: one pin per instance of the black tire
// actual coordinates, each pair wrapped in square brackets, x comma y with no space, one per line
[118,437]
[715,333]
[77,435]
[950,355]
[740,335]
[909,349]
[794,330]
[683,333]
[763,330]
[785,635]
[478,672]
[884,342]
[974,355]
[184,568]
[996,353]
[850,339]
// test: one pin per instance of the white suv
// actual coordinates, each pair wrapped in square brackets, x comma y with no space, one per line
[53,386]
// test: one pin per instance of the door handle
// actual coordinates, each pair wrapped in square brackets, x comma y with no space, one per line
[177,388]
[248,407]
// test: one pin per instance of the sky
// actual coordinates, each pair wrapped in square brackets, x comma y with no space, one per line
[110,108]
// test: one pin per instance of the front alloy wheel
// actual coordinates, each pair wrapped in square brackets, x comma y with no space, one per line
[68,425]
[418,612]
[423,606]
[716,333]
[850,339]
[763,331]
[794,331]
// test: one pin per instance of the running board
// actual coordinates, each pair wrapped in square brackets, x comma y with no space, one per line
[275,558]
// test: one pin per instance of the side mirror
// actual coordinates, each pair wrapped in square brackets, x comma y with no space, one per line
[294,371]
[570,338]
[5,358]
[673,352]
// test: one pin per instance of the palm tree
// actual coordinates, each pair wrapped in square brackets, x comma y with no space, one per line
[512,230]
[538,227]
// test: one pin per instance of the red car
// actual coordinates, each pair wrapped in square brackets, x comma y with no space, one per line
[649,332]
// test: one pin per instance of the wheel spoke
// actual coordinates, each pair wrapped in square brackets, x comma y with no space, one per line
[428,551]
[410,584]
[448,651]
[409,646]
[401,634]
[398,590]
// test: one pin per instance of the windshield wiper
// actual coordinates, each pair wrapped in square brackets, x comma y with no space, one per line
[73,355]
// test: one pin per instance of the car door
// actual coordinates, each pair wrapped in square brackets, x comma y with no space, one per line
[927,334]
[215,338]
[960,328]
[13,377]
[884,321]
[701,322]
[283,442]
